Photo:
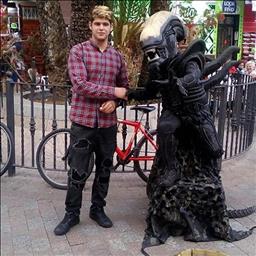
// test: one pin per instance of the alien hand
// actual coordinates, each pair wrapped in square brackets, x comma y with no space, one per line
[181,89]
[169,80]
[160,84]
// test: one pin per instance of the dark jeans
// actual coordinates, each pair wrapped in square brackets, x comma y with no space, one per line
[103,143]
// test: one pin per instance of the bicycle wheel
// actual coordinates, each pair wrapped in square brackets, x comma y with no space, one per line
[6,148]
[144,149]
[51,158]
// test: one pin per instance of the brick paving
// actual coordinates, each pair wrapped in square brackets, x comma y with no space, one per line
[30,210]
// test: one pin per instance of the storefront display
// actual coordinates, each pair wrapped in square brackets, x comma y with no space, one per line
[249,42]
[249,33]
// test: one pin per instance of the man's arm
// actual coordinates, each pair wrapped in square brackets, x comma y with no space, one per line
[122,84]
[120,90]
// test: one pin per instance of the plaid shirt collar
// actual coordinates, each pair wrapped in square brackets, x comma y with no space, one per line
[96,46]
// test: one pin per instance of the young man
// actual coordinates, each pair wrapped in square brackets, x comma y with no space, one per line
[99,78]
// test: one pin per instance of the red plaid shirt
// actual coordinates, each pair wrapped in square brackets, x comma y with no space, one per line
[94,74]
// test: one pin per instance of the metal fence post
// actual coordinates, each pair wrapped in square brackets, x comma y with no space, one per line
[222,115]
[10,120]
[32,122]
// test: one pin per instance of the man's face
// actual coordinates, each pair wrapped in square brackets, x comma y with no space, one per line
[100,28]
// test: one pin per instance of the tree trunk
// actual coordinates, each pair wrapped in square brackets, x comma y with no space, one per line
[42,15]
[55,39]
[158,5]
[80,17]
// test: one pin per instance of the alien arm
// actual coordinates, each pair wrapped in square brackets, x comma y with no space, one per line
[148,92]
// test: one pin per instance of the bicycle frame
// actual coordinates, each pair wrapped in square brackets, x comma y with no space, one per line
[126,154]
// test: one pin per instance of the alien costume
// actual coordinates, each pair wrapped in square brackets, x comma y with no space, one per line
[184,188]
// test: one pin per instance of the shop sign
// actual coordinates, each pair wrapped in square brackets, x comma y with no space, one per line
[254,6]
[229,6]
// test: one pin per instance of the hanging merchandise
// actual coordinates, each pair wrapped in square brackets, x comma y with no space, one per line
[4,20]
[249,41]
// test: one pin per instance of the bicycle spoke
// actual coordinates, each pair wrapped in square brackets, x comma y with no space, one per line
[51,159]
[144,156]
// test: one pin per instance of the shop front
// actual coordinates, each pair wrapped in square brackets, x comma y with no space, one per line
[236,26]
[249,31]
[230,25]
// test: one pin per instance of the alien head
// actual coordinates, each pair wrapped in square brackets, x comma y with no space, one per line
[159,37]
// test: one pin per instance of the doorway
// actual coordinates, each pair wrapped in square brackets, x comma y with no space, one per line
[227,33]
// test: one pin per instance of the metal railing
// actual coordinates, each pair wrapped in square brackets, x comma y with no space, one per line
[31,111]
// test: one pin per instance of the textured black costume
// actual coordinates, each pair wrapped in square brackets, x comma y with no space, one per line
[184,188]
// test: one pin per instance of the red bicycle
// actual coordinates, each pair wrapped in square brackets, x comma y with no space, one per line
[51,156]
[141,153]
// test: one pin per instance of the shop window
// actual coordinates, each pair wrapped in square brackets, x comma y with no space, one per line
[29,13]
[227,33]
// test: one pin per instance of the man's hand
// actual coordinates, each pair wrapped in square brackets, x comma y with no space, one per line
[108,107]
[120,92]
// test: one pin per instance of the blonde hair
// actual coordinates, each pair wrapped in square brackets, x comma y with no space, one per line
[250,63]
[102,12]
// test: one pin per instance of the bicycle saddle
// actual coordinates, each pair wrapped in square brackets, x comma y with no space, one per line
[144,109]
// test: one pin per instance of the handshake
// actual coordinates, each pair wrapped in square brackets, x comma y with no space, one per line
[154,86]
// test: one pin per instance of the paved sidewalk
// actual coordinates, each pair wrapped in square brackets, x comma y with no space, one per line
[30,210]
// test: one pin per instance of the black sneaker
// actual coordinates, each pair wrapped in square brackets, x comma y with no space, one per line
[66,224]
[97,214]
